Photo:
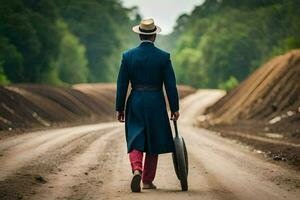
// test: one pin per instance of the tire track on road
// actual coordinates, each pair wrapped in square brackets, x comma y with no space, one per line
[78,171]
[14,141]
[17,157]
[207,185]
[24,184]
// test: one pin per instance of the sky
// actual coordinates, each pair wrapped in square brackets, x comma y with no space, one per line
[164,12]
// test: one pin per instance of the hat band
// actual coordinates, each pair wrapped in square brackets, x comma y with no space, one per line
[147,31]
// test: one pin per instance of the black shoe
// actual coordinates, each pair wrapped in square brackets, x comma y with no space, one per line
[136,181]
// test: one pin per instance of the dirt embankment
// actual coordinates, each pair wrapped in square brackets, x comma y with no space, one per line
[264,110]
[37,106]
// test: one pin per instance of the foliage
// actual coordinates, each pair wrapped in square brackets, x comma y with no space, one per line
[3,79]
[230,84]
[72,65]
[222,41]
[70,41]
[63,41]
[11,61]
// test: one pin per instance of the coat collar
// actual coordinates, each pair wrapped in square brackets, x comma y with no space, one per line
[146,43]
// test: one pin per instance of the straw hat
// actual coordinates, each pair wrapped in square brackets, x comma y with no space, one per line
[146,27]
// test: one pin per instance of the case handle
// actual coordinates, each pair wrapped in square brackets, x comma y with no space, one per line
[176,129]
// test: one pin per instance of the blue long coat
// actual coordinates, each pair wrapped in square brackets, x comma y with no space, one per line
[147,125]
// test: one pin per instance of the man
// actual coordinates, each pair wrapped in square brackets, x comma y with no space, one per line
[147,125]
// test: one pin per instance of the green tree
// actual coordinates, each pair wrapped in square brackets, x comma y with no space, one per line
[35,49]
[228,85]
[11,61]
[71,64]
[104,29]
[224,41]
[3,79]
[32,33]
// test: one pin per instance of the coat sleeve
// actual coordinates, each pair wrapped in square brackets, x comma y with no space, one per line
[122,85]
[170,86]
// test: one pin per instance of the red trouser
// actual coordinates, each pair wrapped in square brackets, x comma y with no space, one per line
[150,164]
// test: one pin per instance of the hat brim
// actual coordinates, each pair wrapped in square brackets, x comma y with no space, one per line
[137,30]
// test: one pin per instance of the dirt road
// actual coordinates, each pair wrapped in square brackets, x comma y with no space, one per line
[90,162]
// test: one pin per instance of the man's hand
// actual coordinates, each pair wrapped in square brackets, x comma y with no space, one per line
[175,115]
[120,116]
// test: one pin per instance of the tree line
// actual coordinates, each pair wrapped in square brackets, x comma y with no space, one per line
[74,41]
[63,41]
[222,41]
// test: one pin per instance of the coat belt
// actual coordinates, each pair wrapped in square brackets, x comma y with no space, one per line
[146,87]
